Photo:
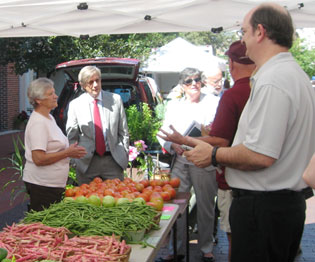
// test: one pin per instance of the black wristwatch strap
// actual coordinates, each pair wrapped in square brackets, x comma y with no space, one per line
[213,157]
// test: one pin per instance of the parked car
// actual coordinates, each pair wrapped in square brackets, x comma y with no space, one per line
[119,75]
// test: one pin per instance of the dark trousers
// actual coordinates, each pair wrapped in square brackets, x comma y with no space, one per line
[42,197]
[266,227]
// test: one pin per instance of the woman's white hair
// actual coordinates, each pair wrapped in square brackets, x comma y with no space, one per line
[37,89]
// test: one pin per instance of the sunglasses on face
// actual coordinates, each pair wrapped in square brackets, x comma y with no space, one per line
[190,80]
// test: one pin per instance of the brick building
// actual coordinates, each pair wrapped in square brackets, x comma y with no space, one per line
[9,97]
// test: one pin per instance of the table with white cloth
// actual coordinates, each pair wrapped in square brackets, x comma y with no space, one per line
[157,238]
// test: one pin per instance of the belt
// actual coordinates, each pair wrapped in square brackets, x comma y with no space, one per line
[242,192]
[107,153]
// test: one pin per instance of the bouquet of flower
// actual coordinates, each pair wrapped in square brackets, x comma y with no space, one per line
[137,153]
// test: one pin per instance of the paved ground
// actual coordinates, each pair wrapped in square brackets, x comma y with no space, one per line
[11,212]
[221,249]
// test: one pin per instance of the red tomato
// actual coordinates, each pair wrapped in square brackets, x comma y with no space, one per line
[145,182]
[116,181]
[78,192]
[148,192]
[157,189]
[175,182]
[97,180]
[152,204]
[152,183]
[128,180]
[139,187]
[133,189]
[159,203]
[165,187]
[159,182]
[124,193]
[166,195]
[121,188]
[163,182]
[84,186]
[146,197]
[172,191]
[136,194]
[85,191]
[155,196]
[108,192]
[93,188]
[146,189]
[69,192]
[130,196]
[117,195]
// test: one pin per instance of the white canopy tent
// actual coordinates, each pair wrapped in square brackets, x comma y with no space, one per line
[179,54]
[24,18]
[166,62]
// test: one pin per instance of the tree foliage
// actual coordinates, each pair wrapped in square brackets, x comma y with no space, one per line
[220,42]
[42,54]
[304,56]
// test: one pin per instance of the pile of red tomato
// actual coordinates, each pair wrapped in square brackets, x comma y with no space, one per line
[153,192]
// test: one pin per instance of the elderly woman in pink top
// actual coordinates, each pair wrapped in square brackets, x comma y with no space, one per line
[47,149]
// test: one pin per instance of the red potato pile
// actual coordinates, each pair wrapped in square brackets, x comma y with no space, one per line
[35,242]
[153,192]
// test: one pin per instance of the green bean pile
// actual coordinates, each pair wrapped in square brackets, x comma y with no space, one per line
[87,220]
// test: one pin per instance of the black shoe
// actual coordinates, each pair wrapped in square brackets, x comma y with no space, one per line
[208,259]
[179,258]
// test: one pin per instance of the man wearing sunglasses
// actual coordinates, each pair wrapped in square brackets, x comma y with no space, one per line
[199,107]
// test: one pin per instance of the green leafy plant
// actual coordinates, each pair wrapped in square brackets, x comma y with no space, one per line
[17,163]
[143,124]
[160,111]
[72,178]
[304,56]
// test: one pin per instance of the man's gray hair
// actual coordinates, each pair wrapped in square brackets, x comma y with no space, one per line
[86,73]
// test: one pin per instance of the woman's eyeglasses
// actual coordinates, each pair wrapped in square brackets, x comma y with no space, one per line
[190,80]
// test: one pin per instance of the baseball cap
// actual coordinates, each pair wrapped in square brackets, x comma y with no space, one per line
[237,52]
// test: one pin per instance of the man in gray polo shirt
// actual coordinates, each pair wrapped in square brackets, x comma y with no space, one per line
[274,142]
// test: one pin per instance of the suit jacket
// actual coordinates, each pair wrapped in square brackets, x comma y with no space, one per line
[80,128]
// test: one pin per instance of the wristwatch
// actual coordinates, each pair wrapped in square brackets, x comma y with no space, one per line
[213,156]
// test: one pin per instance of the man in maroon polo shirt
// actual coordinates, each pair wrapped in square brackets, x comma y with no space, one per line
[226,120]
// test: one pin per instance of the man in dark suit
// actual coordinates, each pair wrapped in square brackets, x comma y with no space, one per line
[98,110]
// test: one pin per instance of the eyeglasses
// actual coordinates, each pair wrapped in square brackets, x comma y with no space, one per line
[190,80]
[91,82]
[240,33]
[218,82]
[215,82]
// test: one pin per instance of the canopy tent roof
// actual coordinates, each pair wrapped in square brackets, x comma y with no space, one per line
[24,18]
[179,54]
